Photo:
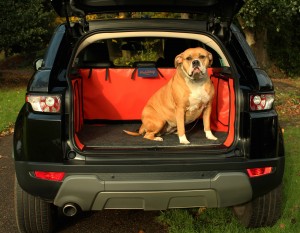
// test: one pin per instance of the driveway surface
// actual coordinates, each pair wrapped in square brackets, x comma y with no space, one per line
[108,221]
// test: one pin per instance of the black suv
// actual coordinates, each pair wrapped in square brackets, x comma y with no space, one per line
[69,147]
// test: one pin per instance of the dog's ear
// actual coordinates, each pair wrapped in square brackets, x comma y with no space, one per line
[178,59]
[210,58]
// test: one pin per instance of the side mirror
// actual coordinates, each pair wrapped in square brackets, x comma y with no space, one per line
[38,63]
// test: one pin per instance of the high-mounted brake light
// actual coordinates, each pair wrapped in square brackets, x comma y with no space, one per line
[256,172]
[261,101]
[44,103]
[52,176]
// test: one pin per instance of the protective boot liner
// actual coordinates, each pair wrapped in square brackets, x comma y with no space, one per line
[122,97]
[112,136]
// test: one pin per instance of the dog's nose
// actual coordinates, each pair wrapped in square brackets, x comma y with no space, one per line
[196,63]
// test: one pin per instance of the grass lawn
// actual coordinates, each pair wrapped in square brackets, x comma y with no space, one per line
[13,85]
[11,101]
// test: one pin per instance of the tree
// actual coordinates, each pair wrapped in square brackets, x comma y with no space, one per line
[262,18]
[25,27]
[284,46]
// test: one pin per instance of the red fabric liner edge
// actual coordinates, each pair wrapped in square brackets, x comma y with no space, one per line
[78,142]
[230,137]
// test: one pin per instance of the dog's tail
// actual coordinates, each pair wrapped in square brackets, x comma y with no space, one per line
[131,133]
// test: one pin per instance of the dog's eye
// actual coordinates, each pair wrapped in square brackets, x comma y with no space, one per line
[201,56]
[189,58]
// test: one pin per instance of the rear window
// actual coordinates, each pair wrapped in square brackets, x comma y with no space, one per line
[126,52]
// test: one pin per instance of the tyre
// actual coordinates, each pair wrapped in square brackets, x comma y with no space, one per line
[263,211]
[33,215]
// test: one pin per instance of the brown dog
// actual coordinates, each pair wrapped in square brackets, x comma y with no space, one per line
[182,100]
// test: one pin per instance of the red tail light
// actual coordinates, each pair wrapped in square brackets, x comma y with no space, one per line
[52,176]
[44,103]
[261,101]
[256,172]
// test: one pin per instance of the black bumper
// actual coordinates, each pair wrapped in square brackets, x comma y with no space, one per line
[210,184]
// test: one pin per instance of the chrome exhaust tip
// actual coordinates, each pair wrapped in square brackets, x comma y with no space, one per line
[70,209]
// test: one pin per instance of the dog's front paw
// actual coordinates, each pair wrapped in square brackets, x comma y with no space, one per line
[160,139]
[183,139]
[210,136]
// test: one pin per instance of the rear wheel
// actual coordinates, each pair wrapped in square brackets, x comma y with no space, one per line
[261,212]
[32,213]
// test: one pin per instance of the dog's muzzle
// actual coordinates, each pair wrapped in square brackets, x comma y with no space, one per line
[197,70]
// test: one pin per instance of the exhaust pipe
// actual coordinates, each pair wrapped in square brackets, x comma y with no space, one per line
[70,209]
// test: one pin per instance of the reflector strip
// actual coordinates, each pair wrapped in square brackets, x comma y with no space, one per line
[256,172]
[52,176]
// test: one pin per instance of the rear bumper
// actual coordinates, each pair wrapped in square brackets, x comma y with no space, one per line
[91,193]
[152,187]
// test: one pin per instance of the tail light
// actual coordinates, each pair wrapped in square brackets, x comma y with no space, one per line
[52,176]
[261,101]
[45,103]
[256,172]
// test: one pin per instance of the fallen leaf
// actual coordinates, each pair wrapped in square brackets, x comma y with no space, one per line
[201,210]
[282,225]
